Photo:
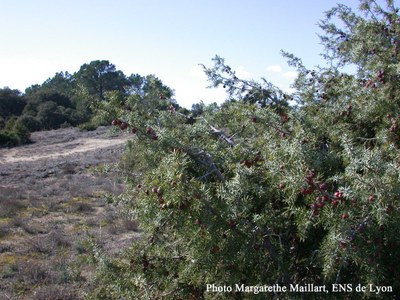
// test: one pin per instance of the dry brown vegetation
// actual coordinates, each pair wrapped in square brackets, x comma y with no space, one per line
[52,202]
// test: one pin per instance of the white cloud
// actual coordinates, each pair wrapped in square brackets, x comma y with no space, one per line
[189,92]
[192,89]
[275,69]
[242,73]
[282,79]
[290,74]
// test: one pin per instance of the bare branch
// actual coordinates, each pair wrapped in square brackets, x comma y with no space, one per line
[205,159]
[220,133]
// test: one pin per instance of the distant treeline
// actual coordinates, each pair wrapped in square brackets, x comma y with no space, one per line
[67,99]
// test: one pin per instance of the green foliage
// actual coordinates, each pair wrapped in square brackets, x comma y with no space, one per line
[47,106]
[30,122]
[88,126]
[52,108]
[258,191]
[11,102]
[68,100]
[14,133]
[99,77]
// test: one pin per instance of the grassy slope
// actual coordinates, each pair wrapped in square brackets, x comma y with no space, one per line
[50,203]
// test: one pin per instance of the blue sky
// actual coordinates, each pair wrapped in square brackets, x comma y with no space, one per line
[165,38]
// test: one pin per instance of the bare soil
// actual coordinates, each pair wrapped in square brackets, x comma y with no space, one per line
[52,203]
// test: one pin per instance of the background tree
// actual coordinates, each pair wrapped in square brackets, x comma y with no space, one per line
[66,100]
[11,102]
[144,96]
[62,82]
[14,133]
[100,76]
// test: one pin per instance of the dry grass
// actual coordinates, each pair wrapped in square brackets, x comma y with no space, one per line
[48,209]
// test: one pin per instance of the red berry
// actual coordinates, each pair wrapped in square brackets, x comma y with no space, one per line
[149,130]
[309,180]
[371,198]
[183,206]
[345,216]
[311,173]
[323,186]
[254,119]
[146,264]
[123,126]
[258,157]
[306,191]
[216,249]
[338,194]
[284,117]
[248,163]
[134,130]
[232,224]
[315,208]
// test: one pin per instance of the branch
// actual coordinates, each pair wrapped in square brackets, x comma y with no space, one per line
[278,129]
[205,159]
[220,133]
[217,131]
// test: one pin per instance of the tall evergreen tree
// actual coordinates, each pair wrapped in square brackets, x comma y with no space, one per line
[100,76]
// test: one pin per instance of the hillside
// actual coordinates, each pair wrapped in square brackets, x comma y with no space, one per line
[51,200]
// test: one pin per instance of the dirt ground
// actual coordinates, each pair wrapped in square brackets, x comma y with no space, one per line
[57,147]
[52,199]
